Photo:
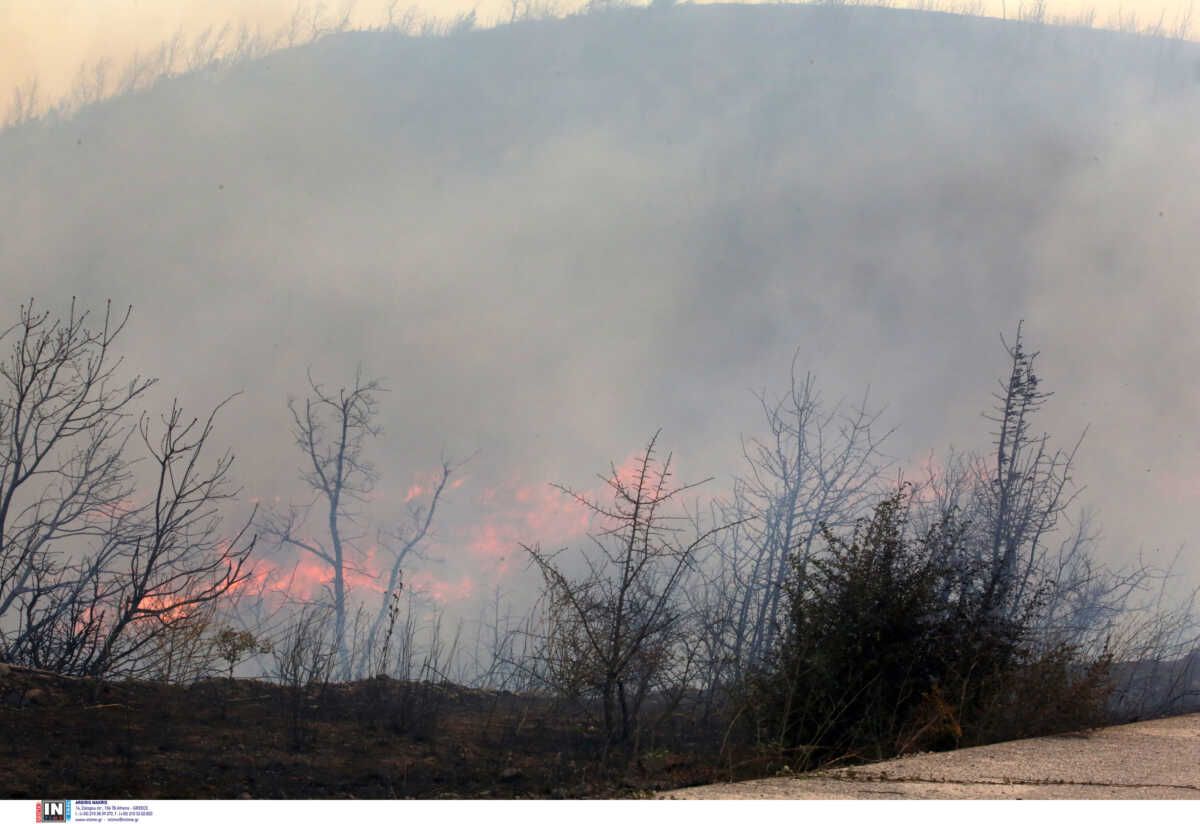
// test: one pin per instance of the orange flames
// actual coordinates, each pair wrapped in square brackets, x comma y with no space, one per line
[510,513]
[478,554]
[440,590]
[164,608]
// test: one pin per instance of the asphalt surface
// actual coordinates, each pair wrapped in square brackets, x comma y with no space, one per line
[1157,759]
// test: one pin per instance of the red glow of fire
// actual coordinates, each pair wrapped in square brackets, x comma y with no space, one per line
[426,583]
[628,471]
[930,475]
[424,484]
[165,608]
[506,515]
[308,578]
[514,513]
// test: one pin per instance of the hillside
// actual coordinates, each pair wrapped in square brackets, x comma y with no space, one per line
[553,239]
[556,236]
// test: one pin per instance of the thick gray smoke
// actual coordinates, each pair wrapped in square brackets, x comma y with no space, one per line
[555,237]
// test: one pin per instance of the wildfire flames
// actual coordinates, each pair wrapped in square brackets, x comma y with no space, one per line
[483,551]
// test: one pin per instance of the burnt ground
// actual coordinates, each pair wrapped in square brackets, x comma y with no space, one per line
[228,739]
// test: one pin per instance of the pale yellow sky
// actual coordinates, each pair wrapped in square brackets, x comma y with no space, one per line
[49,40]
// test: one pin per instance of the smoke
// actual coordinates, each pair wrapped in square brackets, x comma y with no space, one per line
[554,238]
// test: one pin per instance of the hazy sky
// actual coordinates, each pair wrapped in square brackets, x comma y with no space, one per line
[50,39]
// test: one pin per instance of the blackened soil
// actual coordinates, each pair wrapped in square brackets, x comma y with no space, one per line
[221,738]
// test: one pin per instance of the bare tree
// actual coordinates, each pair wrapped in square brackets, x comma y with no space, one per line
[1030,487]
[402,24]
[616,632]
[24,106]
[89,86]
[331,431]
[815,466]
[91,580]
[176,558]
[1014,503]
[403,542]
[1030,555]
[158,569]
[64,424]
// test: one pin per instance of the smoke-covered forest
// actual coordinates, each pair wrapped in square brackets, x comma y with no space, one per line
[769,386]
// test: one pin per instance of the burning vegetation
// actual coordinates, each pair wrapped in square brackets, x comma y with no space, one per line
[823,611]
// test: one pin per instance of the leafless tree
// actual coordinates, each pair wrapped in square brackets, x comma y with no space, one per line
[90,86]
[1030,488]
[64,424]
[331,431]
[177,557]
[1014,503]
[403,543]
[402,24]
[814,466]
[616,632]
[158,569]
[91,579]
[24,106]
[1031,553]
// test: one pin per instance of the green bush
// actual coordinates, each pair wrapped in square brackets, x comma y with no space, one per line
[892,646]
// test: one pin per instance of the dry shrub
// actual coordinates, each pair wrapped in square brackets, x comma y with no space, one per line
[1056,691]
[304,662]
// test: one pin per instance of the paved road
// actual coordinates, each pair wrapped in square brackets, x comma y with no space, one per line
[1146,760]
